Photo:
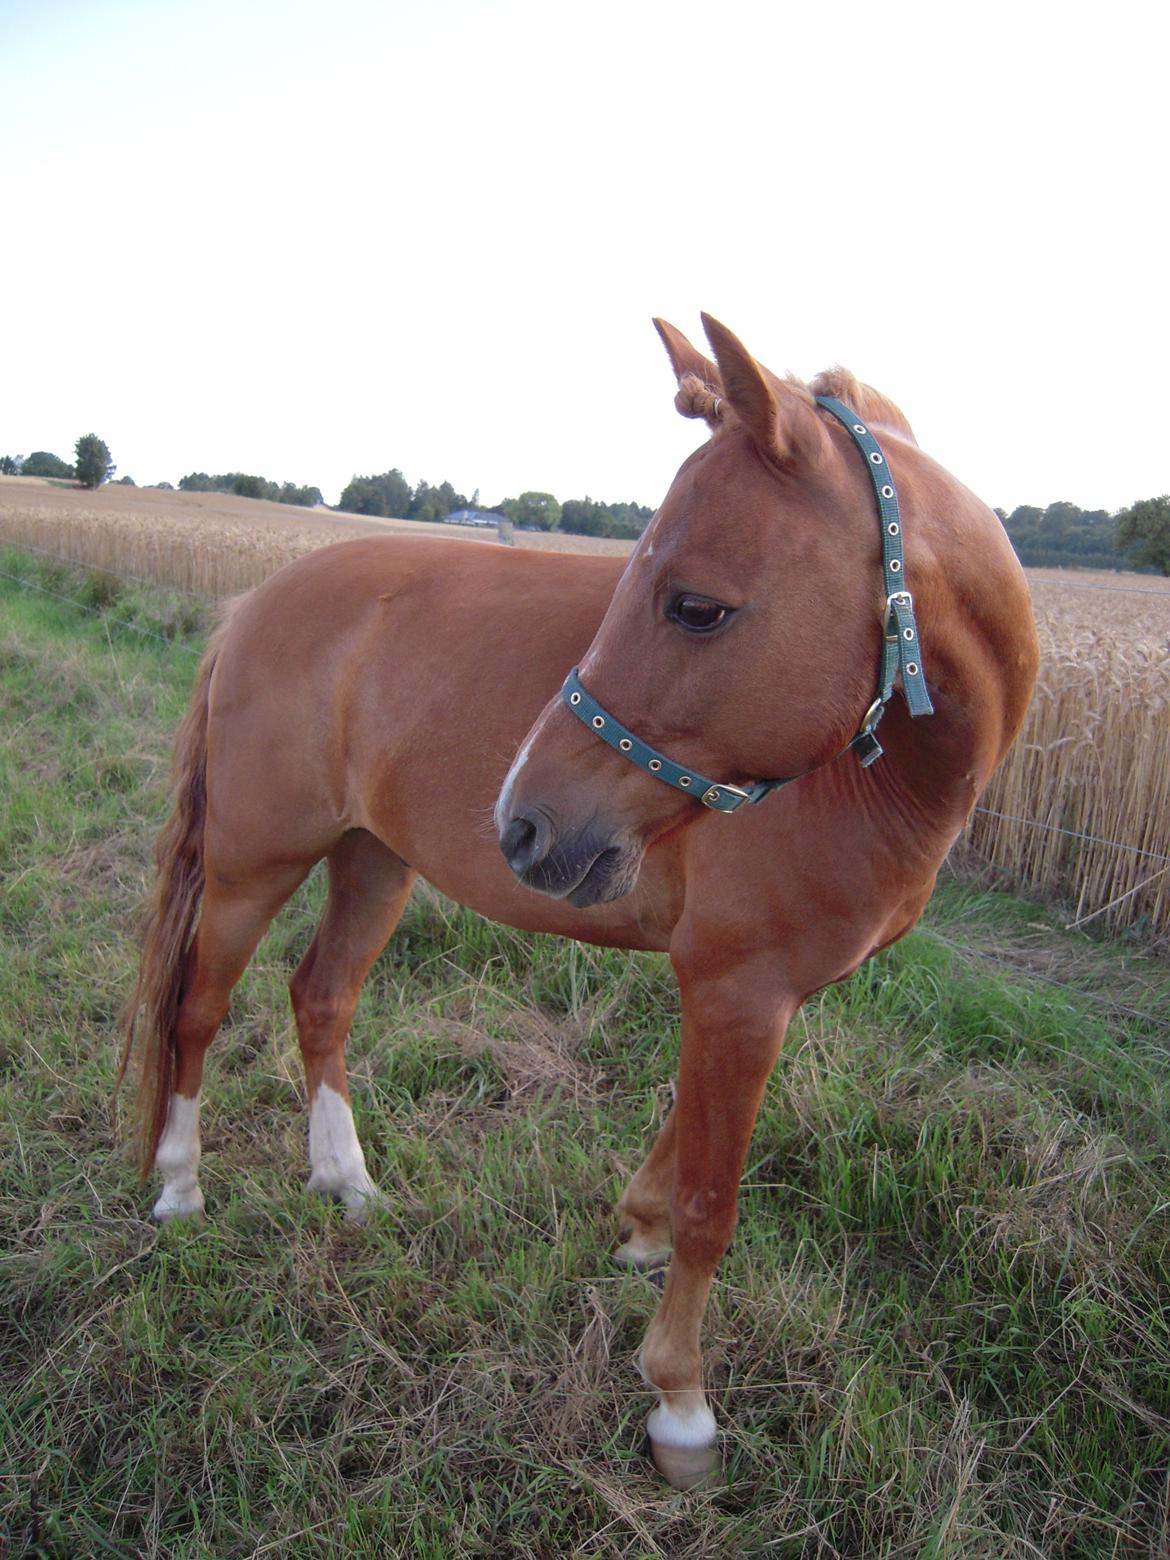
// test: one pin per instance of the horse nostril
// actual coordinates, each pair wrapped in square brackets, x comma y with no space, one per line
[520,844]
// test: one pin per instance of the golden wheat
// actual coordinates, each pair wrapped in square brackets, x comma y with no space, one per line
[1083,798]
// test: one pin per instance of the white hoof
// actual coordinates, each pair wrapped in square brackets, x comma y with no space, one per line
[683,1447]
[358,1196]
[178,1204]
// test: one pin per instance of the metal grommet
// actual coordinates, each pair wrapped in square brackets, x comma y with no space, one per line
[625,744]
[895,565]
[655,764]
[598,722]
[574,698]
[860,428]
[911,668]
[684,779]
[877,457]
[887,491]
[907,633]
[893,528]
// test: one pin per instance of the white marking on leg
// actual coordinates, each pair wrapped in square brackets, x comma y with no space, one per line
[681,1431]
[336,1159]
[177,1161]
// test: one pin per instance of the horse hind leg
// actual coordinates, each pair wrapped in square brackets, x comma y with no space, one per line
[368,889]
[231,923]
[644,1208]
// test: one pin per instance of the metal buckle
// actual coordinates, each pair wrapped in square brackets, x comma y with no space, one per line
[869,719]
[903,599]
[715,793]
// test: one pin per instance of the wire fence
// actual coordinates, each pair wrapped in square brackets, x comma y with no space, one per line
[100,613]
[1111,590]
[1081,838]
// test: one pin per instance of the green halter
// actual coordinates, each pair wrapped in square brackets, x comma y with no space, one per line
[900,653]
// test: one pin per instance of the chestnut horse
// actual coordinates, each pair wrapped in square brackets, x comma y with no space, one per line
[369,702]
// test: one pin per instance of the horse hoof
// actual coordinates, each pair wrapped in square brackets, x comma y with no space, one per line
[178,1205]
[360,1206]
[688,1467]
[645,1259]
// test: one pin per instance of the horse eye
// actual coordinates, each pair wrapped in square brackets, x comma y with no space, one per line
[697,613]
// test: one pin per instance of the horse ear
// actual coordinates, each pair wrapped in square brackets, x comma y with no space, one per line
[780,415]
[699,389]
[685,358]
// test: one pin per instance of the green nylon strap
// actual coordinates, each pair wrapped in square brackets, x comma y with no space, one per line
[900,653]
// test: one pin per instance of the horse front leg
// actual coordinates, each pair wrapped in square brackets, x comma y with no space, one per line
[733,1025]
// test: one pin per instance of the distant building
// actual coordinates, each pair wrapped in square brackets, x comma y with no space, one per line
[473,517]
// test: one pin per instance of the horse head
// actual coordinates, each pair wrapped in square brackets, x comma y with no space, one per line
[743,638]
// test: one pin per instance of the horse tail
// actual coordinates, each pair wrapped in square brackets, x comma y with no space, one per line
[171,918]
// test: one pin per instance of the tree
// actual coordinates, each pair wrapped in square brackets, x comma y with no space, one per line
[43,464]
[363,497]
[538,510]
[1143,531]
[94,465]
[386,495]
[245,485]
[10,465]
[584,517]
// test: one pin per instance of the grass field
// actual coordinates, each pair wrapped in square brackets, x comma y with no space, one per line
[941,1331]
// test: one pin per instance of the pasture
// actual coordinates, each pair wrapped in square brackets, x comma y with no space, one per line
[941,1327]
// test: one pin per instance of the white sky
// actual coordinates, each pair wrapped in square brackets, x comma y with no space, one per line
[314,239]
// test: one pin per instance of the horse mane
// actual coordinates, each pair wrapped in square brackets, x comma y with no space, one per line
[871,404]
[697,398]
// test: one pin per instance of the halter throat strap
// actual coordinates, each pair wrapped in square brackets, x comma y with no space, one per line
[901,654]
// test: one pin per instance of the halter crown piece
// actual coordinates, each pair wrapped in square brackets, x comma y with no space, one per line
[900,653]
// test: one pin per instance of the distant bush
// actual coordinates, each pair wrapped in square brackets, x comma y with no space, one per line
[246,485]
[43,464]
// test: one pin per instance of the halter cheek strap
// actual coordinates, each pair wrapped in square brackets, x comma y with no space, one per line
[900,654]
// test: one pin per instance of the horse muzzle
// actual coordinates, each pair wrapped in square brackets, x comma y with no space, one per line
[586,866]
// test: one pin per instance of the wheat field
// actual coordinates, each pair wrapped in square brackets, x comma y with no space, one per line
[1084,797]
[1080,810]
[163,537]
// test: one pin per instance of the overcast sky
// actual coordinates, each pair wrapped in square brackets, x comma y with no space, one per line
[314,239]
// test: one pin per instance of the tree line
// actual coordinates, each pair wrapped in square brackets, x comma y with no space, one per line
[246,485]
[91,464]
[1062,535]
[1065,536]
[390,496]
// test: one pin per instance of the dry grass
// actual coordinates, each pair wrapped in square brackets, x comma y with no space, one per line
[1094,755]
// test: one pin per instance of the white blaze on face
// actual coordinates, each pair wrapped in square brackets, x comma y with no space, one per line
[177,1161]
[504,802]
[336,1159]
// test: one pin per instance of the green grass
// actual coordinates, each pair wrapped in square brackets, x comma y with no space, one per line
[941,1331]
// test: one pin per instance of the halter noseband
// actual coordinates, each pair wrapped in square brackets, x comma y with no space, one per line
[900,653]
